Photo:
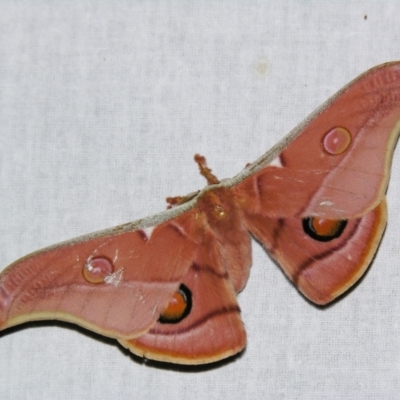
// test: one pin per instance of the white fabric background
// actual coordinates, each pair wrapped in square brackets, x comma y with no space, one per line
[102,106]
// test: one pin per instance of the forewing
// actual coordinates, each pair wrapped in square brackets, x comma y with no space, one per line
[116,284]
[336,164]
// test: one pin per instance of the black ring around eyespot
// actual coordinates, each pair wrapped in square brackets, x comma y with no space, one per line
[309,230]
[187,296]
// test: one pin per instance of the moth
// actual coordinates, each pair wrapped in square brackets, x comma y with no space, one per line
[165,286]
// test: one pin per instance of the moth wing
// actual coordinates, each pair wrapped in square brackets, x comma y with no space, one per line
[333,167]
[321,269]
[336,164]
[213,328]
[116,283]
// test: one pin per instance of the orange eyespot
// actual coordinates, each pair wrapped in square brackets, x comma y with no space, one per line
[325,227]
[322,229]
[178,307]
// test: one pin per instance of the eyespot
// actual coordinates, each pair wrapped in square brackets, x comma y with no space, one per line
[323,230]
[178,307]
[336,141]
[97,269]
